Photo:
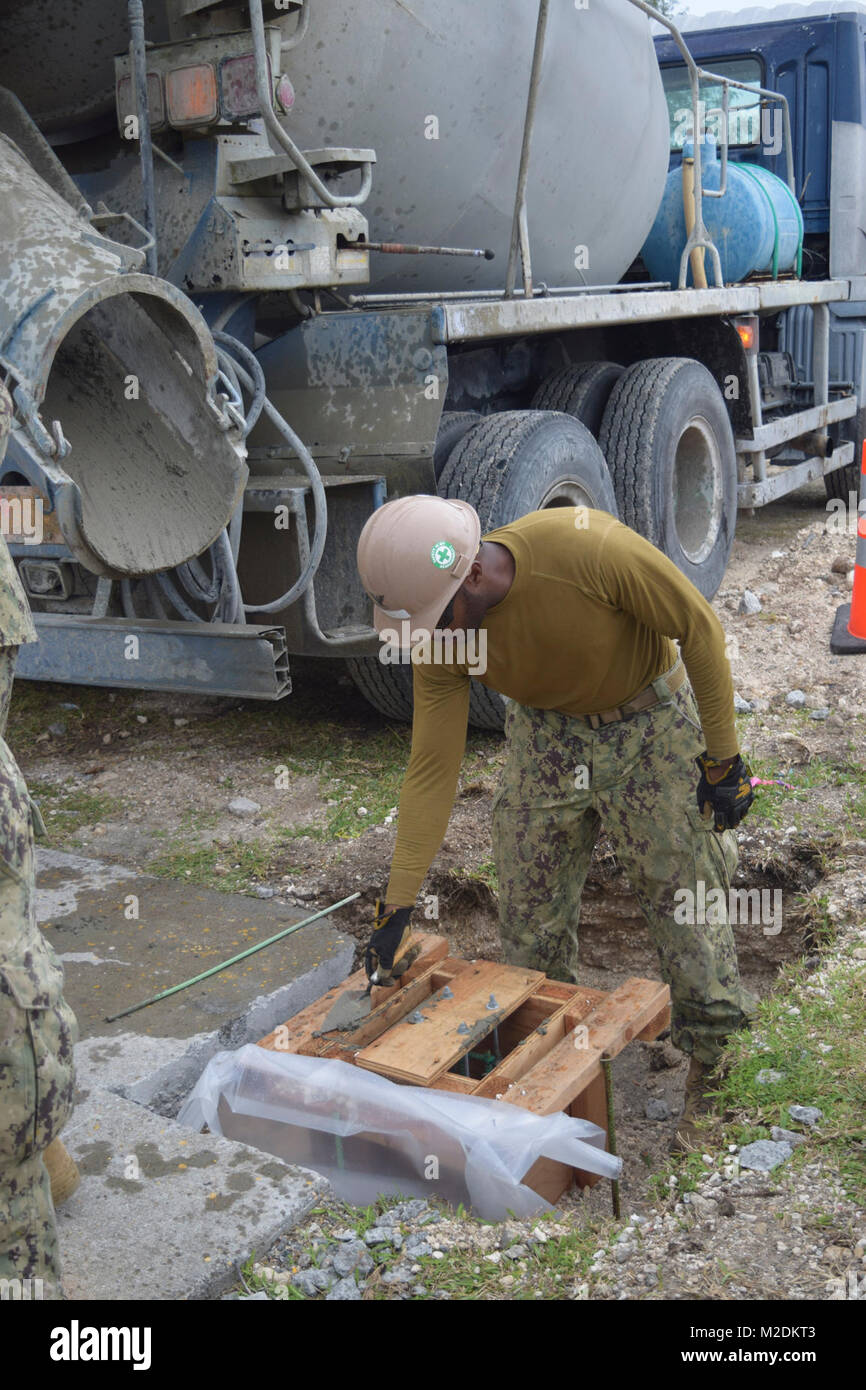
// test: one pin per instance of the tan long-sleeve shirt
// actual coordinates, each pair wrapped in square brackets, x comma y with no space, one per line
[589,621]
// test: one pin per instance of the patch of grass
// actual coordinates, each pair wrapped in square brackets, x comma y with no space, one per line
[372,783]
[815,917]
[819,1047]
[484,872]
[325,732]
[66,812]
[35,705]
[549,1271]
[253,1282]
[776,806]
[244,864]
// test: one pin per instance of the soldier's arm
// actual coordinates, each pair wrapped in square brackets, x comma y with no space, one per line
[644,582]
[441,699]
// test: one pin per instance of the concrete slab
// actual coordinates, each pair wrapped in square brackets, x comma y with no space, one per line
[165,1213]
[124,936]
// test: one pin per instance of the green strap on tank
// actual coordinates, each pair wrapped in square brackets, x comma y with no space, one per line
[747,169]
[799,212]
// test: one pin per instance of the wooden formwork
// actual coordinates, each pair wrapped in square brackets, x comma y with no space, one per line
[550,1038]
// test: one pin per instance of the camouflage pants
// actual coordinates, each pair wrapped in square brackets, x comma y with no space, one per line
[37,1034]
[562,781]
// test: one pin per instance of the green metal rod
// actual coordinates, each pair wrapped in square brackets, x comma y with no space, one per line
[606,1063]
[223,965]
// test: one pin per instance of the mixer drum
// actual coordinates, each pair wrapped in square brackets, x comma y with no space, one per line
[438,88]
[374,75]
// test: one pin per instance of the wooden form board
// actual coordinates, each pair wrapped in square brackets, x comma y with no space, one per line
[552,1036]
[479,999]
[638,1009]
[302,1033]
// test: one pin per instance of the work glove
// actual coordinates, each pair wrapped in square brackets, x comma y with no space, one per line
[727,800]
[389,952]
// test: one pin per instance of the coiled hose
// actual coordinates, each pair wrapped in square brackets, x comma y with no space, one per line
[242,369]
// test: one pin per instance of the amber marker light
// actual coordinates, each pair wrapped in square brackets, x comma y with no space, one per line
[747,331]
[191,95]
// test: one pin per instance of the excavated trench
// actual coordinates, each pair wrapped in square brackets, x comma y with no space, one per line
[614,937]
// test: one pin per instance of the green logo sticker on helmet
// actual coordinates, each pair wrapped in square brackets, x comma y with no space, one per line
[443,555]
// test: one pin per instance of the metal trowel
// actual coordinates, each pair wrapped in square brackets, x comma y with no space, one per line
[348,1010]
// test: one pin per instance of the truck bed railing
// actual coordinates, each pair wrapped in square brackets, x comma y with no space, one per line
[699,238]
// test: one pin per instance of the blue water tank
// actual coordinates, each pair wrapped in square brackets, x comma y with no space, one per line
[757,224]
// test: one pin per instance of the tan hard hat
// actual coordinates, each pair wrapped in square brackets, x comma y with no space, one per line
[413,555]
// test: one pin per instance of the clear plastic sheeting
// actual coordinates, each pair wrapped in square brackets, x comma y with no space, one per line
[369,1136]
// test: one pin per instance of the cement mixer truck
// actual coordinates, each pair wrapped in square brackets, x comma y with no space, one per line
[266,265]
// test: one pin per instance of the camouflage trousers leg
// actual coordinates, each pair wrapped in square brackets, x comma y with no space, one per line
[37,1038]
[562,781]
[29,1259]
[36,1084]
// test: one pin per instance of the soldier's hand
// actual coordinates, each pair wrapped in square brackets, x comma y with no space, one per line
[390,952]
[725,799]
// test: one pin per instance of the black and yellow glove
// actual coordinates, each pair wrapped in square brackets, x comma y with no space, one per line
[728,799]
[390,952]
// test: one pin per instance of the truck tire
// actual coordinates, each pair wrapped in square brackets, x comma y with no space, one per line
[452,427]
[668,442]
[387,688]
[842,482]
[581,389]
[522,461]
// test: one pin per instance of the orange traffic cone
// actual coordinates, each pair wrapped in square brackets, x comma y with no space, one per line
[857,618]
[849,629]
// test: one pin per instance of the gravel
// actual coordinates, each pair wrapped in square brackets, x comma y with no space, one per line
[343,1290]
[312,1281]
[787,1136]
[764,1155]
[805,1114]
[350,1256]
[380,1235]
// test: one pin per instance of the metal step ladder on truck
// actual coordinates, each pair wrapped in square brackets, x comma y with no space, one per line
[549,272]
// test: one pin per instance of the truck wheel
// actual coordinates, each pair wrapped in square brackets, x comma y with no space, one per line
[842,482]
[522,461]
[668,442]
[452,427]
[581,389]
[387,688]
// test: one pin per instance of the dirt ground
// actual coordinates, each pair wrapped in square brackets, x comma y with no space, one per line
[147,780]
